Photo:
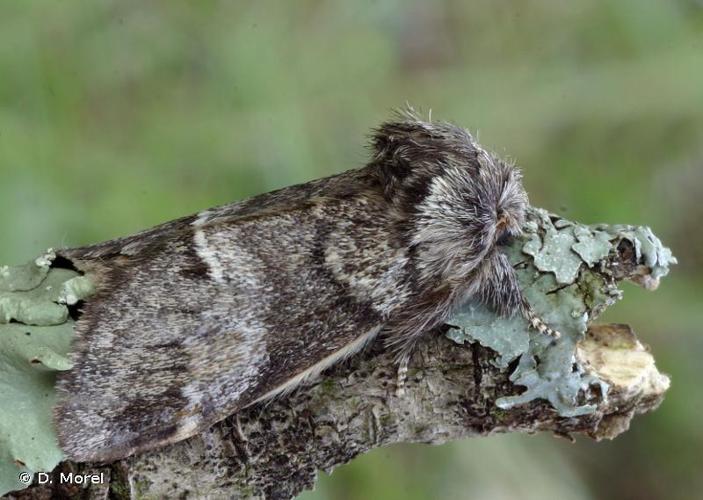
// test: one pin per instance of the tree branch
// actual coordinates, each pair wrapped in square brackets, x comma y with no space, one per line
[591,384]
[275,450]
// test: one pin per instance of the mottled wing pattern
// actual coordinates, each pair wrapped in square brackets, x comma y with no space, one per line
[218,313]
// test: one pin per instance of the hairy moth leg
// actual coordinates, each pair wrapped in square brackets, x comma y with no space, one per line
[402,375]
[538,323]
[403,358]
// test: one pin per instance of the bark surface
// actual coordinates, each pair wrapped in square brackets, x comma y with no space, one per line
[275,450]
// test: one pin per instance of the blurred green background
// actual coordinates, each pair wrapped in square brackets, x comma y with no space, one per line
[115,116]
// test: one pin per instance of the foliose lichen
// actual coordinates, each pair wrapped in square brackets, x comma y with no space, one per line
[564,271]
[35,337]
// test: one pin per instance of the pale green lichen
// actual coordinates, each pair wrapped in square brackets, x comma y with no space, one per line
[27,277]
[561,266]
[552,252]
[75,290]
[33,347]
[593,246]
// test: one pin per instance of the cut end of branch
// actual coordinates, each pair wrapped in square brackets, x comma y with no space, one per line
[615,355]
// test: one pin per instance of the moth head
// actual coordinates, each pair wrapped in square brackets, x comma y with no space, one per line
[458,202]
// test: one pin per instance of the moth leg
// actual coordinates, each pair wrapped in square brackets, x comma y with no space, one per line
[538,323]
[246,454]
[402,376]
[404,354]
[500,290]
[238,429]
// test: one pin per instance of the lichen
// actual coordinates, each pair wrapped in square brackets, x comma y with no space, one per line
[75,289]
[24,278]
[35,337]
[552,252]
[563,268]
[593,245]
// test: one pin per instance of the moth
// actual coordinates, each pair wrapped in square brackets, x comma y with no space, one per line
[200,317]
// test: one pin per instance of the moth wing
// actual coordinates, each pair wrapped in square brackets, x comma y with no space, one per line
[208,318]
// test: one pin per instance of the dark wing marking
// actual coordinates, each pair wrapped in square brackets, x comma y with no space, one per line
[169,346]
[341,186]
